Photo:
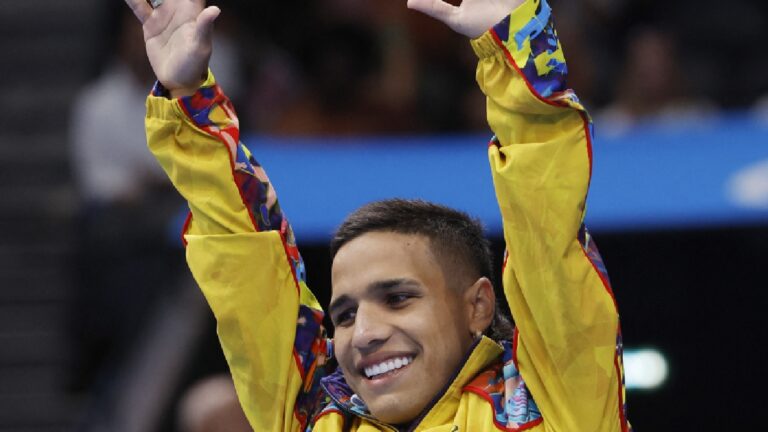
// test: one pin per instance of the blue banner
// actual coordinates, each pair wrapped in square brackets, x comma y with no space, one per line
[694,175]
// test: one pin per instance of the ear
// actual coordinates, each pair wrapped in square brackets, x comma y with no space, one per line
[481,302]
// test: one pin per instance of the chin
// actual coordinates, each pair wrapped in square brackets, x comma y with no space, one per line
[391,409]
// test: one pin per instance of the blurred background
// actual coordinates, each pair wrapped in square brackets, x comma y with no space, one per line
[344,102]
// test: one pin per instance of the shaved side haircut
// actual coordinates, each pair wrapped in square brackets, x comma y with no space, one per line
[456,239]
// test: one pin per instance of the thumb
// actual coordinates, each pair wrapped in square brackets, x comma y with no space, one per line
[204,23]
[437,9]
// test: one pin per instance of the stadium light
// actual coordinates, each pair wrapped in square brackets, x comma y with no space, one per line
[645,369]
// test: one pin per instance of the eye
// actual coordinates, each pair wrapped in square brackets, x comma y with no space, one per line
[344,318]
[398,299]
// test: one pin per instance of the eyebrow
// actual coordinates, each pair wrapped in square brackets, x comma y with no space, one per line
[382,285]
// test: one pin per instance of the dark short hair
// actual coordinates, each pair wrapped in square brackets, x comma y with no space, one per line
[457,240]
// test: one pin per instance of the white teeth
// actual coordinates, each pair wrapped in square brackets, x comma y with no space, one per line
[387,366]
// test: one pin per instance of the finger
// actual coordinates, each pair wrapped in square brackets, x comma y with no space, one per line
[205,22]
[437,9]
[140,8]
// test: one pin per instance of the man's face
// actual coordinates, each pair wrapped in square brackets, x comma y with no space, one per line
[401,328]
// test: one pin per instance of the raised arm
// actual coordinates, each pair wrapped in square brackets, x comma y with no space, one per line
[568,343]
[240,247]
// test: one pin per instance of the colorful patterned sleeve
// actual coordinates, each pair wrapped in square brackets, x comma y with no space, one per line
[567,346]
[243,255]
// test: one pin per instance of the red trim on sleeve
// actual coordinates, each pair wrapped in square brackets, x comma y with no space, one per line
[512,62]
[525,426]
[603,280]
[185,228]
[296,357]
[607,286]
[297,360]
[515,341]
[588,134]
[504,263]
[290,264]
[240,192]
[217,100]
[302,422]
[296,414]
[186,112]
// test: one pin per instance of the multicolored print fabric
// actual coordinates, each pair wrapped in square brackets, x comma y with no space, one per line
[535,48]
[342,395]
[212,112]
[312,351]
[590,248]
[502,384]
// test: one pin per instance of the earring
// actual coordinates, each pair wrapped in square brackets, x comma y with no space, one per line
[478,334]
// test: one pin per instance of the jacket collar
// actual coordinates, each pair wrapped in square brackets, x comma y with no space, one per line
[482,354]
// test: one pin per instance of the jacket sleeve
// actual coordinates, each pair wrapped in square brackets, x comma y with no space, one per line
[568,341]
[242,253]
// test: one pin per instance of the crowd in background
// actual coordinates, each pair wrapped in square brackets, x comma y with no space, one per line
[336,67]
[352,67]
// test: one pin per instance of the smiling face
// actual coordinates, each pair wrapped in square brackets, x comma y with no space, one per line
[402,329]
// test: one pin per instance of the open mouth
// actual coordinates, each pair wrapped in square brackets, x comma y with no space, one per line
[387,367]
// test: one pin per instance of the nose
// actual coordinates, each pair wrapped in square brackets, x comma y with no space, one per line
[370,329]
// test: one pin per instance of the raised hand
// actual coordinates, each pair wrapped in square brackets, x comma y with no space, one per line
[472,18]
[178,36]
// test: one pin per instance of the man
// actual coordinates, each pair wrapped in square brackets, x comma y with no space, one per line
[410,304]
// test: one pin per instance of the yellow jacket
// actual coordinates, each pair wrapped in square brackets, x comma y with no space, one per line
[562,371]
